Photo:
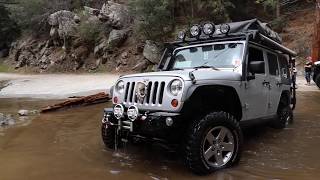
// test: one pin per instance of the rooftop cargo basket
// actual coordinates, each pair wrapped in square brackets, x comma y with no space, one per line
[254,25]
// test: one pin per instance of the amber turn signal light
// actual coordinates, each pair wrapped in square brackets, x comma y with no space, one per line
[174,103]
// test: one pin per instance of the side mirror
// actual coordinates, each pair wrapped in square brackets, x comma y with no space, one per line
[256,67]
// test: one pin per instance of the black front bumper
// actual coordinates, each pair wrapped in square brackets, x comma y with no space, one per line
[147,124]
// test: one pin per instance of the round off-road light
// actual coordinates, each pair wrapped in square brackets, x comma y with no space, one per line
[182,35]
[208,29]
[195,31]
[118,111]
[225,28]
[133,113]
[169,121]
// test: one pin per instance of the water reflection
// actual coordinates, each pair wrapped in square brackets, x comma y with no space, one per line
[67,145]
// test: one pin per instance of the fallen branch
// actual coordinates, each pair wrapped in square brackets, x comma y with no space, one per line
[83,101]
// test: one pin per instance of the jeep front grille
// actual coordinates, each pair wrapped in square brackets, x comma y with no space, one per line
[154,94]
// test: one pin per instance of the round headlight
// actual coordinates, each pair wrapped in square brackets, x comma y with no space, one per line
[181,35]
[175,87]
[133,113]
[208,29]
[120,87]
[195,31]
[224,28]
[118,111]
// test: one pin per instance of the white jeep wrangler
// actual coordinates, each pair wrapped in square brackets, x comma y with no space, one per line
[212,82]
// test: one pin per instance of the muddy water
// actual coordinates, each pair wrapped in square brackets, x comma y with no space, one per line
[67,145]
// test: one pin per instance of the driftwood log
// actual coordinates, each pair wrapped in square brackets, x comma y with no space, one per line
[81,101]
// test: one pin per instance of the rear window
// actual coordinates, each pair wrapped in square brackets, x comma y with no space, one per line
[273,64]
[284,66]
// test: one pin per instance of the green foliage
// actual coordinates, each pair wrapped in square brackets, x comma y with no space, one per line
[154,18]
[8,28]
[278,24]
[4,68]
[29,14]
[215,10]
[90,31]
[33,14]
[268,3]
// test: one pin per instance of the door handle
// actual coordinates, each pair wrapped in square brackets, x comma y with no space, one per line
[266,83]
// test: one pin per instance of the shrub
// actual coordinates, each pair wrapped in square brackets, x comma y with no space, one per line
[90,31]
[8,28]
[153,18]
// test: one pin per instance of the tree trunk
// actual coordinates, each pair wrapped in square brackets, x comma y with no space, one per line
[316,37]
[278,9]
[192,10]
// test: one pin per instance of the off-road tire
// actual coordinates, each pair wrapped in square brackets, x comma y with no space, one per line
[317,80]
[284,115]
[108,136]
[194,157]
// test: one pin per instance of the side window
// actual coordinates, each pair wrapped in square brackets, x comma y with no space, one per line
[284,67]
[255,55]
[273,64]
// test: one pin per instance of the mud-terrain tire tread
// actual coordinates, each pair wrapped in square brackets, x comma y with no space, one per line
[278,123]
[108,136]
[193,156]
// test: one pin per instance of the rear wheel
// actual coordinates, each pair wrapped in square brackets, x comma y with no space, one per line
[284,115]
[214,143]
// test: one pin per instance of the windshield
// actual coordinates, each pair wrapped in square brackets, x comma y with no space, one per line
[223,55]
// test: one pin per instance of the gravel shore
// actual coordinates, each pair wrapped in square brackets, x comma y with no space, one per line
[54,86]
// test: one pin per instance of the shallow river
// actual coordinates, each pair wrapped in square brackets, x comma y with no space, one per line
[67,145]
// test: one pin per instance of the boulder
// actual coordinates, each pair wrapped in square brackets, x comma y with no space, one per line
[142,65]
[152,51]
[117,15]
[100,48]
[91,11]
[64,22]
[116,38]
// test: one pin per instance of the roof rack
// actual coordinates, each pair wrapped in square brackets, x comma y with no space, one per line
[251,30]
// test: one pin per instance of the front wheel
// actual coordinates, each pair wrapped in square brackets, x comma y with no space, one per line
[108,134]
[214,143]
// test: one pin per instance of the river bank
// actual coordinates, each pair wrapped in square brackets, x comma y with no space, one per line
[54,86]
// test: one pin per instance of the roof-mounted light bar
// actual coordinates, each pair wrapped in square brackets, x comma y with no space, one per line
[208,29]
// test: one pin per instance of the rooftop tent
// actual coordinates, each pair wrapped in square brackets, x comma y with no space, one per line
[255,25]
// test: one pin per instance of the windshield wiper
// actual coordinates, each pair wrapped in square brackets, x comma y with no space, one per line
[206,66]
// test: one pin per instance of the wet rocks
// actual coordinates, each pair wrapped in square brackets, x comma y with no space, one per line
[6,120]
[152,51]
[23,112]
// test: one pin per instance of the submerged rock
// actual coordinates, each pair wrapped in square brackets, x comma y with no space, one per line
[6,120]
[23,112]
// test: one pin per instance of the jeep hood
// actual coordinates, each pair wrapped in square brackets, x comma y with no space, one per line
[200,74]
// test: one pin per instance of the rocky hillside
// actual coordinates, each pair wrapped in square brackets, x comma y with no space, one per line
[103,40]
[298,33]
[65,49]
